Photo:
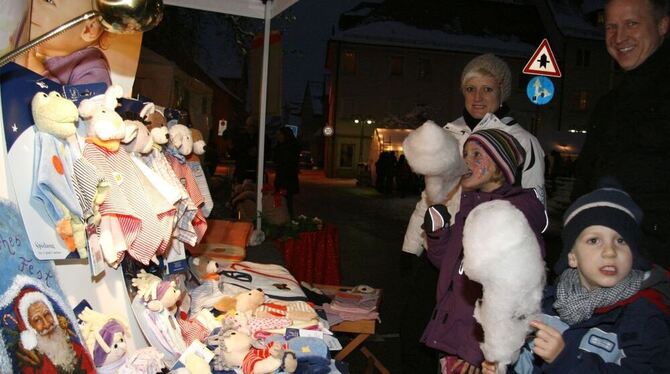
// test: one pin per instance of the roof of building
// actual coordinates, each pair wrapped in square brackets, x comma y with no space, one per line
[578,20]
[454,25]
[508,28]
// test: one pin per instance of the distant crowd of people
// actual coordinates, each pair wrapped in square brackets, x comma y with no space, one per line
[396,175]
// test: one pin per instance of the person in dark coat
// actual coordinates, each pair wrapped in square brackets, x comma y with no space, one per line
[403,176]
[245,151]
[286,157]
[492,157]
[609,311]
[629,129]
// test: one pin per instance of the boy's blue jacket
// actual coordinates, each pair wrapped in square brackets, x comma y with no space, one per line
[632,336]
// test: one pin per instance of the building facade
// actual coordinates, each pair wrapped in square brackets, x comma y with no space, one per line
[384,70]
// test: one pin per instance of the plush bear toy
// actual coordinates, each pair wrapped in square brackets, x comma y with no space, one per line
[142,143]
[136,220]
[194,163]
[207,294]
[235,349]
[243,302]
[56,151]
[199,145]
[181,139]
[156,160]
[180,146]
[157,123]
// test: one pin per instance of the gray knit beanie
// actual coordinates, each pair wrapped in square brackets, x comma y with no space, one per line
[493,66]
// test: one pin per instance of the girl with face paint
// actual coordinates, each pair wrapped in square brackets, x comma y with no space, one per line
[492,157]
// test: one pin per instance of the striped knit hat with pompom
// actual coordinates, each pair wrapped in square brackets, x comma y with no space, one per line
[503,148]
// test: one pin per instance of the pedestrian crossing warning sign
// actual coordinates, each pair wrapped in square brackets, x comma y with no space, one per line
[543,62]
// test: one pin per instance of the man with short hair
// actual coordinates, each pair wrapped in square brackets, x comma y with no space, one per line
[629,130]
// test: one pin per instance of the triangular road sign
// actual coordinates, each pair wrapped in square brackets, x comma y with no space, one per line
[543,62]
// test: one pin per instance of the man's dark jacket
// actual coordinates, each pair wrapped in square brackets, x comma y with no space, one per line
[629,139]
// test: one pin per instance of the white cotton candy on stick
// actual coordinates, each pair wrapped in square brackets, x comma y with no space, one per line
[434,153]
[501,252]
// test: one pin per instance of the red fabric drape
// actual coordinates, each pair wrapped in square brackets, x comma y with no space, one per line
[314,256]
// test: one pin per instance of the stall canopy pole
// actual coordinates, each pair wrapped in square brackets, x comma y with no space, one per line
[261,116]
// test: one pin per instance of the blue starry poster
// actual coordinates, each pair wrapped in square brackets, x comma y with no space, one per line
[19,86]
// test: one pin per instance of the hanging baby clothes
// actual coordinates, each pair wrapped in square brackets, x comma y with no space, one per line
[185,176]
[53,187]
[169,194]
[193,162]
[131,209]
[186,209]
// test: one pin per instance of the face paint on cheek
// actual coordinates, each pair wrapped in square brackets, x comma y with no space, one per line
[482,170]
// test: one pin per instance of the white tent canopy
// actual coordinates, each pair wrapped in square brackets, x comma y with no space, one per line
[254,9]
[246,8]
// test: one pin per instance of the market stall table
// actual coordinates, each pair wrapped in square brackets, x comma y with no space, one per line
[362,329]
[313,256]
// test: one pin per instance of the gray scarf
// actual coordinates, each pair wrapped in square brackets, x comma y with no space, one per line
[574,303]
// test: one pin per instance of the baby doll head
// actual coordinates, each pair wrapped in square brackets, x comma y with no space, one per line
[111,345]
[168,294]
[47,15]
[492,157]
[601,237]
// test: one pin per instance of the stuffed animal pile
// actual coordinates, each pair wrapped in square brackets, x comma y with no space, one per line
[129,188]
[124,188]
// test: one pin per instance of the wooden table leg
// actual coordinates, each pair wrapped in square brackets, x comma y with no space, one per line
[353,344]
[378,364]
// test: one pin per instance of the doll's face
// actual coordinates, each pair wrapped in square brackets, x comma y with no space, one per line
[171,297]
[118,348]
[49,14]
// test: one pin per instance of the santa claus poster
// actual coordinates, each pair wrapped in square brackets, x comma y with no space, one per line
[37,331]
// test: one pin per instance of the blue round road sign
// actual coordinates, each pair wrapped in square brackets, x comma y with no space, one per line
[540,90]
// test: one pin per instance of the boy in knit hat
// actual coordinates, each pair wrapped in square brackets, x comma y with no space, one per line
[492,157]
[609,311]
